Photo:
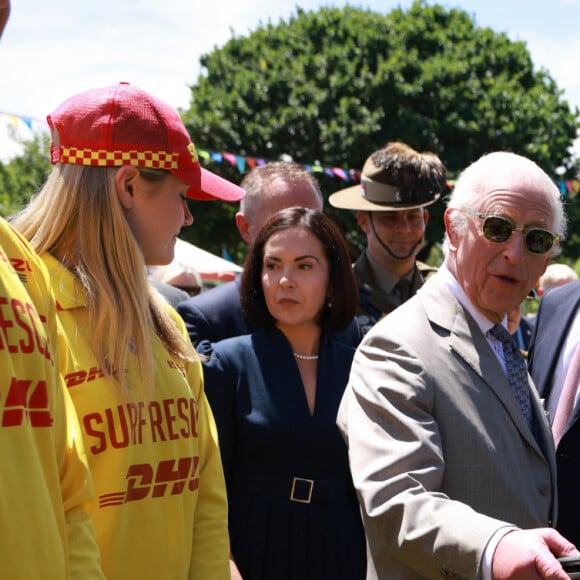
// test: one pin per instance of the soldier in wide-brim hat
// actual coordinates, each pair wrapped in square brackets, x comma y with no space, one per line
[397,184]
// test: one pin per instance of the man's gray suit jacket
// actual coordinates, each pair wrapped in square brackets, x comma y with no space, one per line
[440,453]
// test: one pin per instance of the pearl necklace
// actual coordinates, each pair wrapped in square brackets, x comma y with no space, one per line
[305,356]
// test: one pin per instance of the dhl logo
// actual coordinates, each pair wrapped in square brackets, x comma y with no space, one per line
[172,477]
[26,401]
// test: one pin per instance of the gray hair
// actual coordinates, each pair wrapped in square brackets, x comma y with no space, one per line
[255,182]
[556,275]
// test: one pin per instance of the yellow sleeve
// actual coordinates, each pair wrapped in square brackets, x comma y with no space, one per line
[211,542]
[77,496]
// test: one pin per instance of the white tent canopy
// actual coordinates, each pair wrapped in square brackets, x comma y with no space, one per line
[212,268]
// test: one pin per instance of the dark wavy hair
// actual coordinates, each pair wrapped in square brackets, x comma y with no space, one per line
[342,284]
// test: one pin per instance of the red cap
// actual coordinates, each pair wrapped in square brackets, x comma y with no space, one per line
[124,125]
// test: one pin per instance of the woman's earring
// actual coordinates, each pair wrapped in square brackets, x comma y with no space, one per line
[329,303]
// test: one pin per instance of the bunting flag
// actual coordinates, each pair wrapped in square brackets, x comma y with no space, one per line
[244,162]
[17,121]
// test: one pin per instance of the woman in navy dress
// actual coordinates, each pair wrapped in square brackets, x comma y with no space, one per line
[293,512]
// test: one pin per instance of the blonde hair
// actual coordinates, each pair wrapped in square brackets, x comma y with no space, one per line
[77,216]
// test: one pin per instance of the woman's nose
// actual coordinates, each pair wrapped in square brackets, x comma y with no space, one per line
[286,280]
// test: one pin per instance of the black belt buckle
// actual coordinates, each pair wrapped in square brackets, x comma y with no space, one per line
[301,490]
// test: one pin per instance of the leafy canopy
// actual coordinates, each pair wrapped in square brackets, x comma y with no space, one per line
[336,84]
[23,175]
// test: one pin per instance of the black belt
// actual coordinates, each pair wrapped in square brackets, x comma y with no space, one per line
[299,489]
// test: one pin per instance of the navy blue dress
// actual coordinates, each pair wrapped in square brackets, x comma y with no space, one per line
[293,512]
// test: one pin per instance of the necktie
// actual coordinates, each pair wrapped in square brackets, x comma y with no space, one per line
[403,287]
[567,397]
[516,370]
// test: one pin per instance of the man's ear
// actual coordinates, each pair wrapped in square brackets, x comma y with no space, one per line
[426,216]
[362,218]
[125,179]
[451,229]
[243,227]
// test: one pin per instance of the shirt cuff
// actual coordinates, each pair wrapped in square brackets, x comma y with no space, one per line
[488,553]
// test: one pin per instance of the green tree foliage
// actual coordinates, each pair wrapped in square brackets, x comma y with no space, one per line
[336,84]
[23,175]
[571,246]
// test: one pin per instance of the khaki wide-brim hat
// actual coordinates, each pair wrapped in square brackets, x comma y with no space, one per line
[375,193]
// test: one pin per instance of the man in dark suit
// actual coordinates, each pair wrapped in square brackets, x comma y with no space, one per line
[217,314]
[554,345]
[450,450]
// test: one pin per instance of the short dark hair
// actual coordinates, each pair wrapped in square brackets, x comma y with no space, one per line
[412,173]
[342,283]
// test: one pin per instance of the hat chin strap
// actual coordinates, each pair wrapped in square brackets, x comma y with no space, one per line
[407,256]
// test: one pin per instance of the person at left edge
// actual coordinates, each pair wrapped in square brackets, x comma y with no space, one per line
[45,485]
[4,14]
[275,394]
[114,203]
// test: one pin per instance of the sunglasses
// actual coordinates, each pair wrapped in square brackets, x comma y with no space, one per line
[498,230]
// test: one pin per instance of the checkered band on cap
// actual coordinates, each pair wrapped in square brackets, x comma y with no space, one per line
[101,158]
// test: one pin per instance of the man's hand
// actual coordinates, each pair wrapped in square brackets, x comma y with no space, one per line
[531,554]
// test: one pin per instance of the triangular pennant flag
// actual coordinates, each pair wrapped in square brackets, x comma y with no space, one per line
[562,187]
[27,121]
[230,158]
[241,163]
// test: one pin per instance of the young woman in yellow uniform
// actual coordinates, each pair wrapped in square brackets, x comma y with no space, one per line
[113,205]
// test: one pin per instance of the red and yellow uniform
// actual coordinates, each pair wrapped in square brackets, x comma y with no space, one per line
[45,489]
[155,462]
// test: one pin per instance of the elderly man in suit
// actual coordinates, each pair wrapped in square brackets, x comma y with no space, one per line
[450,449]
[555,345]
